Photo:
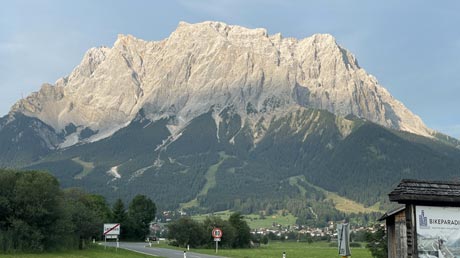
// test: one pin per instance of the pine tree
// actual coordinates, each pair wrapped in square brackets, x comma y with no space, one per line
[119,215]
[141,213]
[243,235]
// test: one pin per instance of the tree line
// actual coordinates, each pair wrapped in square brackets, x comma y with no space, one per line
[186,231]
[37,215]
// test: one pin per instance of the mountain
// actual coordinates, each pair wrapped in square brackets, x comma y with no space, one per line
[221,64]
[222,117]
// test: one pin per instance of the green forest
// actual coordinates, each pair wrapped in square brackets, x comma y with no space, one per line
[286,163]
[37,215]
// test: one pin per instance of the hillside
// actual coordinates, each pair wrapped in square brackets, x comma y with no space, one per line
[211,169]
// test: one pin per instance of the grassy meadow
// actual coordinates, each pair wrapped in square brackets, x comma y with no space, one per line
[272,250]
[92,252]
[275,250]
[254,220]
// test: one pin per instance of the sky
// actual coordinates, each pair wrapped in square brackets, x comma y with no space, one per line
[412,47]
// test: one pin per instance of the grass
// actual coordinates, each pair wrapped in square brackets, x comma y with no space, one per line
[254,221]
[348,206]
[222,214]
[275,250]
[93,252]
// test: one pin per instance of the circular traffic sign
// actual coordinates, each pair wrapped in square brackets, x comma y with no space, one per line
[217,233]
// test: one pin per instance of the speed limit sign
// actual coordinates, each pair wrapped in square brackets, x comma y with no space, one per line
[216,232]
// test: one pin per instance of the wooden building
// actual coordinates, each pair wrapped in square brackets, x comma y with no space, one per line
[396,232]
[428,223]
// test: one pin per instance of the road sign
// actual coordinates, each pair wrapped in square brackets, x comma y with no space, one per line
[112,229]
[216,233]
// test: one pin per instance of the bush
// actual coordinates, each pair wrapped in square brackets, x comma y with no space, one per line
[354,244]
[186,231]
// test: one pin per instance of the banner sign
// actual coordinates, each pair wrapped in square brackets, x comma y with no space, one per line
[438,231]
[343,234]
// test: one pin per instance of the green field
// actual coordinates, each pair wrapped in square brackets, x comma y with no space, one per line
[292,249]
[254,221]
[93,252]
[272,250]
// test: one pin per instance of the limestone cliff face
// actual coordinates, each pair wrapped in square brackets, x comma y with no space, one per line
[214,65]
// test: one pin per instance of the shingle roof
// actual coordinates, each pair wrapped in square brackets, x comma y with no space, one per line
[392,212]
[413,191]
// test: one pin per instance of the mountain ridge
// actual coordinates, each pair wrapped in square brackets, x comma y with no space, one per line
[227,65]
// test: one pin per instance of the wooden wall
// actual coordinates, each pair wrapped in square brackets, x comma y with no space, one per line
[397,235]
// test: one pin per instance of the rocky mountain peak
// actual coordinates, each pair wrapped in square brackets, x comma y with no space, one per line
[212,64]
[212,27]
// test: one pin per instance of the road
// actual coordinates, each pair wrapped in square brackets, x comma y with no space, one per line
[163,252]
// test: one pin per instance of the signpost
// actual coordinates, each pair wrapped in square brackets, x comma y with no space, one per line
[111,231]
[343,234]
[217,234]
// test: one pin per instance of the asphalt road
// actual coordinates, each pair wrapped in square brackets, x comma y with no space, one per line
[163,252]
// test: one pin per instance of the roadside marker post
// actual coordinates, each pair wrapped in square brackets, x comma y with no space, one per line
[284,254]
[185,254]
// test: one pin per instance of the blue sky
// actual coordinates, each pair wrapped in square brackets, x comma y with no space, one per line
[412,47]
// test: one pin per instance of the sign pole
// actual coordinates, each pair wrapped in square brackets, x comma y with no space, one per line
[105,242]
[217,234]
